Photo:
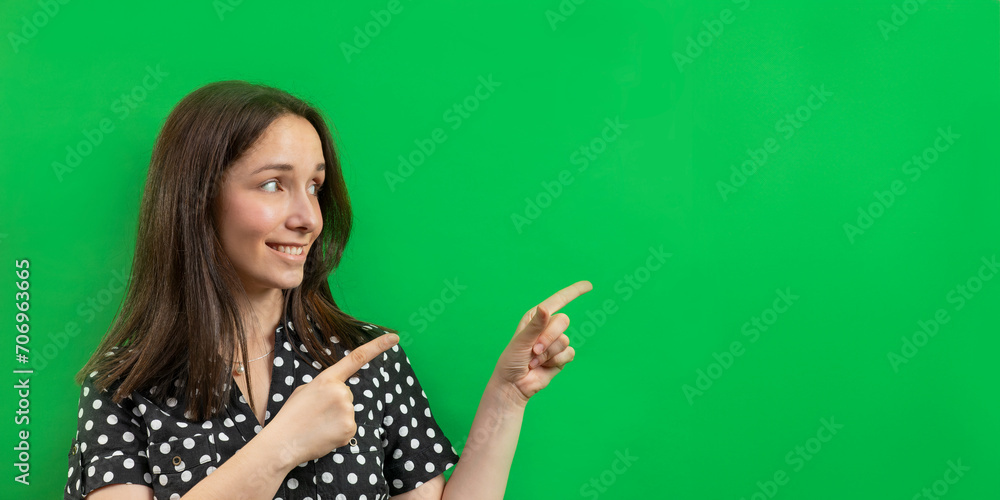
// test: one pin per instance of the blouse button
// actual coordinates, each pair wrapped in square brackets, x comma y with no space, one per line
[177,460]
[74,450]
[354,442]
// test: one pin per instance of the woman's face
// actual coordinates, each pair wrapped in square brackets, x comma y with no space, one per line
[268,213]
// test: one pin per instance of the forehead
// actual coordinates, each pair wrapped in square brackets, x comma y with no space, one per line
[289,139]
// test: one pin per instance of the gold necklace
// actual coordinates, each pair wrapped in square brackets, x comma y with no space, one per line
[240,370]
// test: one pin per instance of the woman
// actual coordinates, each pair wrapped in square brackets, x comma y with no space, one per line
[229,371]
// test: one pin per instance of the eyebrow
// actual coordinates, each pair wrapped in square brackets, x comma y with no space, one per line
[320,167]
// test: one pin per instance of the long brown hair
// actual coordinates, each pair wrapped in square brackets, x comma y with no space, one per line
[184,302]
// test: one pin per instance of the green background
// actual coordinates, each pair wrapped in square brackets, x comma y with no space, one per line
[893,79]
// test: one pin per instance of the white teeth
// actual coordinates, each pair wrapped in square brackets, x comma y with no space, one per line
[289,250]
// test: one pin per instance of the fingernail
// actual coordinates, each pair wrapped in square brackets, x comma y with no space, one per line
[534,363]
[538,348]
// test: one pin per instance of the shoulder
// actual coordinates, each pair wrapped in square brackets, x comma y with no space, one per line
[98,392]
[374,331]
[94,377]
[94,397]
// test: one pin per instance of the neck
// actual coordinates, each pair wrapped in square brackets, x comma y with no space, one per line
[266,306]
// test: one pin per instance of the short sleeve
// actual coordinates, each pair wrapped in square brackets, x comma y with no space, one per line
[110,444]
[418,449]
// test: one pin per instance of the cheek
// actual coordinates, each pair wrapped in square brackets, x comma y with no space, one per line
[245,221]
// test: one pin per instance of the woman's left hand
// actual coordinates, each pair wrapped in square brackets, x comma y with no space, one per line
[539,349]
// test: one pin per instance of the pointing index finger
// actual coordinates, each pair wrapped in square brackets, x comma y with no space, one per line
[343,369]
[564,296]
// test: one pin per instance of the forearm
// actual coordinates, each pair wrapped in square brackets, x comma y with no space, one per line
[254,472]
[484,465]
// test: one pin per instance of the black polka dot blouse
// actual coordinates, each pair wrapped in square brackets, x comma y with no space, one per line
[399,446]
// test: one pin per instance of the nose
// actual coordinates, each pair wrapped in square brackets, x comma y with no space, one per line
[304,213]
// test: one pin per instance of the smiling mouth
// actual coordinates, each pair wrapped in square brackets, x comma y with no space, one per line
[288,249]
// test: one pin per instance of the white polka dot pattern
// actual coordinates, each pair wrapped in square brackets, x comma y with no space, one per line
[399,445]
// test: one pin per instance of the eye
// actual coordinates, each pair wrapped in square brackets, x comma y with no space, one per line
[316,189]
[263,186]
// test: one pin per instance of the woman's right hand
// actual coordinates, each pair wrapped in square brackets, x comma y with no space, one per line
[319,416]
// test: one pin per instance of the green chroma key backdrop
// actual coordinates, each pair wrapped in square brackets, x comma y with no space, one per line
[788,211]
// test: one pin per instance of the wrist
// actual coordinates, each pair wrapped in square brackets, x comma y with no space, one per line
[506,393]
[281,452]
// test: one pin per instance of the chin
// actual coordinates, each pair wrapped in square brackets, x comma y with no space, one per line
[285,285]
[281,284]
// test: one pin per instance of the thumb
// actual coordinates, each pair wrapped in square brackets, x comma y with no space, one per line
[527,337]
